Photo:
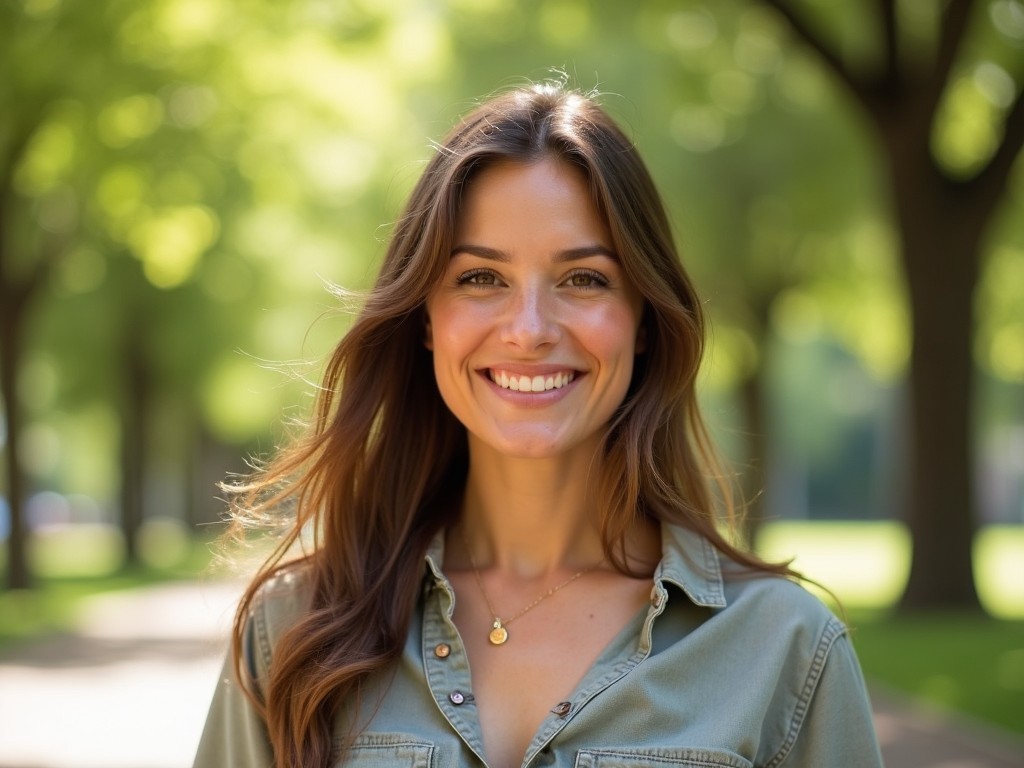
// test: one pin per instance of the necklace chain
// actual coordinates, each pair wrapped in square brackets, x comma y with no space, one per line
[499,632]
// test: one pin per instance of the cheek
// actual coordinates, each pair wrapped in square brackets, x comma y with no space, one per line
[452,332]
[614,332]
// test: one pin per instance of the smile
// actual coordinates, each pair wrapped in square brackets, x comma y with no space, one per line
[518,383]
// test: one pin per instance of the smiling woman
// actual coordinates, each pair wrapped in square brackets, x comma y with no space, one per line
[509,434]
[534,324]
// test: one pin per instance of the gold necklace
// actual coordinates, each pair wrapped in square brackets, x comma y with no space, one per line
[499,632]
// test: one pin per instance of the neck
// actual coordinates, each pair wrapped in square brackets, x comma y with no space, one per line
[531,517]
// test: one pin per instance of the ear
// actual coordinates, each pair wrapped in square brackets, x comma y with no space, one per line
[428,334]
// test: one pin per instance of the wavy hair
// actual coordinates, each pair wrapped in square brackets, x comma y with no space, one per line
[360,479]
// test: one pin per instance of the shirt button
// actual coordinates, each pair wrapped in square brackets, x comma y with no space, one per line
[562,708]
[442,650]
[457,697]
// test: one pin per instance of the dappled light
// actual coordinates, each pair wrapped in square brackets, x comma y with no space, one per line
[968,134]
[181,182]
[240,398]
[692,30]
[170,242]
[757,50]
[1000,345]
[130,119]
[1008,18]
[240,161]
[49,156]
[698,128]
[82,271]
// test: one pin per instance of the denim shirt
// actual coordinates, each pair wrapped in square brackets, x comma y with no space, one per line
[720,669]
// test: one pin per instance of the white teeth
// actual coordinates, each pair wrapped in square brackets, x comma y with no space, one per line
[519,383]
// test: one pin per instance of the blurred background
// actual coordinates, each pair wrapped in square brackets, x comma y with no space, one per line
[180,181]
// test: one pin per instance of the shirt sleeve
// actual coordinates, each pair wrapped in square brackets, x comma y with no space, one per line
[837,730]
[235,734]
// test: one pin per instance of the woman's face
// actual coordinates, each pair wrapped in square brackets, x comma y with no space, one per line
[534,326]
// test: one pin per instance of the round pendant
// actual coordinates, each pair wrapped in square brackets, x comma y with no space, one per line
[498,635]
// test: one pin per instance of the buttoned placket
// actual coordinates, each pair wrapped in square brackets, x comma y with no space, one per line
[605,673]
[446,666]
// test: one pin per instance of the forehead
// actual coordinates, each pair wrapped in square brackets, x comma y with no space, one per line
[545,197]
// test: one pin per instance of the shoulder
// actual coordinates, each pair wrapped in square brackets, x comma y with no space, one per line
[279,603]
[288,590]
[769,592]
[816,710]
[781,612]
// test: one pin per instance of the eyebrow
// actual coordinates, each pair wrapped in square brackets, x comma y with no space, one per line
[570,254]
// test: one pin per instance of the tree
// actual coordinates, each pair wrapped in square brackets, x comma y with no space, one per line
[16,290]
[213,162]
[941,215]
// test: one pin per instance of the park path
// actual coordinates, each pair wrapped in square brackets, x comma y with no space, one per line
[129,689]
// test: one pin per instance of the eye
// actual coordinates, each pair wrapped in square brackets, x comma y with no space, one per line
[586,278]
[478,277]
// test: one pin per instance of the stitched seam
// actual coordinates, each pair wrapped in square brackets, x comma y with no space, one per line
[262,634]
[422,753]
[667,760]
[713,568]
[833,631]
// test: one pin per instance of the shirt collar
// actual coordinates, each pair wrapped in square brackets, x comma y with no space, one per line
[435,556]
[688,561]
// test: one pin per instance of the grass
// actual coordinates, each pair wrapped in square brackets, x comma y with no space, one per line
[966,664]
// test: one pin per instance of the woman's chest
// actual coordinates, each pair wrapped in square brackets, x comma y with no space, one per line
[541,657]
[624,709]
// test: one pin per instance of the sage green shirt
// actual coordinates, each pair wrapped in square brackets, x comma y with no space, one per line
[721,669]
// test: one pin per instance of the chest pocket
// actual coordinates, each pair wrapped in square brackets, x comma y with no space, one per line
[659,758]
[387,750]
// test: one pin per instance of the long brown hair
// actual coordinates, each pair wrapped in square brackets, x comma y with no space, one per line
[383,464]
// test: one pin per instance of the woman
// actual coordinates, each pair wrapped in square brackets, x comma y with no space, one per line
[507,474]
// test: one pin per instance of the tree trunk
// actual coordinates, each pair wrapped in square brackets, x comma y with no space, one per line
[753,396]
[940,228]
[133,443]
[11,314]
[15,298]
[755,431]
[940,224]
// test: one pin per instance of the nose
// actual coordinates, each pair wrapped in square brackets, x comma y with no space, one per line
[530,318]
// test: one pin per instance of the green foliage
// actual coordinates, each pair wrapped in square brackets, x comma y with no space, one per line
[190,172]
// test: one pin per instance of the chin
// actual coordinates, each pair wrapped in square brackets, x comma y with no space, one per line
[536,446]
